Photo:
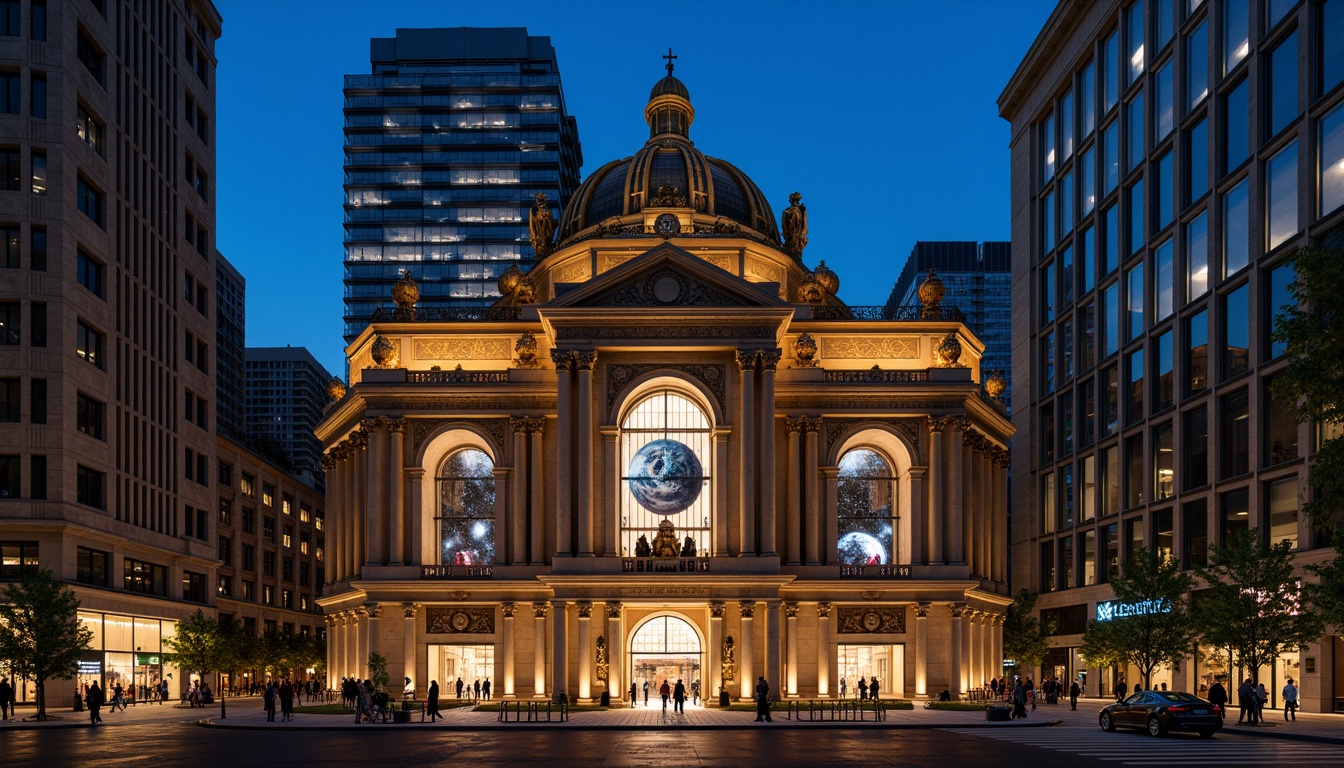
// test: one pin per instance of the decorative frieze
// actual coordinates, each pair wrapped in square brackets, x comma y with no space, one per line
[870,620]
[869,347]
[459,621]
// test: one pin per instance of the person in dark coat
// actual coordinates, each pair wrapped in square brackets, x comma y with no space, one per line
[1246,700]
[1218,697]
[1121,689]
[1019,701]
[485,689]
[634,694]
[665,691]
[433,706]
[762,700]
[268,701]
[459,687]
[287,700]
[863,688]
[6,697]
[1074,693]
[94,698]
[872,689]
[679,697]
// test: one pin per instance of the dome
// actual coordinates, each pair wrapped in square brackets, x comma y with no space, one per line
[669,159]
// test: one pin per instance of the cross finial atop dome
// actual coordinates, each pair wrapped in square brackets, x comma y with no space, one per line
[670,57]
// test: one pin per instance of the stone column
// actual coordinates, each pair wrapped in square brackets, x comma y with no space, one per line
[415,477]
[585,650]
[831,481]
[536,463]
[611,524]
[969,648]
[791,616]
[359,530]
[615,659]
[373,643]
[559,648]
[722,472]
[922,649]
[539,649]
[745,651]
[794,501]
[746,441]
[954,531]
[823,649]
[348,644]
[769,361]
[815,529]
[1000,545]
[331,471]
[396,493]
[564,479]
[714,657]
[363,639]
[506,640]
[996,655]
[774,670]
[936,498]
[986,640]
[408,645]
[919,550]
[518,494]
[584,363]
[958,682]
[375,491]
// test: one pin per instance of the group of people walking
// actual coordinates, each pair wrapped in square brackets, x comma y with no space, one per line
[867,689]
[476,691]
[282,694]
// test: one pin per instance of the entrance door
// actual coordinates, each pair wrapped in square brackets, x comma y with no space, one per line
[885,662]
[469,663]
[665,648]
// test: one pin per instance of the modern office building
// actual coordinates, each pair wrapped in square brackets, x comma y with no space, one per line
[976,280]
[286,392]
[107,357]
[447,143]
[230,344]
[1167,156]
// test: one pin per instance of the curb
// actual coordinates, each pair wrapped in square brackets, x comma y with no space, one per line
[745,726]
[1283,735]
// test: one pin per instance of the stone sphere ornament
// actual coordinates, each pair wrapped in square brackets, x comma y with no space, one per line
[995,385]
[665,477]
[509,279]
[335,389]
[405,292]
[809,290]
[948,351]
[931,291]
[827,279]
[805,350]
[385,353]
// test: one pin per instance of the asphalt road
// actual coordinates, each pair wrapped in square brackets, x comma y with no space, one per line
[177,744]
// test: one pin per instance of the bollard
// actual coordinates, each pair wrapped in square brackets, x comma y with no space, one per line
[223,713]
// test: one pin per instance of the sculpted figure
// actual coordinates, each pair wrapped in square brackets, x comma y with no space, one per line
[541,227]
[795,226]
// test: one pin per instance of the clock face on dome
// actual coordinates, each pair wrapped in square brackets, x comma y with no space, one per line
[665,477]
[667,225]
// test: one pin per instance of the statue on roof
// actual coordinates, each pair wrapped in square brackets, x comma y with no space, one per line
[795,226]
[541,227]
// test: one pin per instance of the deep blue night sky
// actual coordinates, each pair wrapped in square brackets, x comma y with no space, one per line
[881,113]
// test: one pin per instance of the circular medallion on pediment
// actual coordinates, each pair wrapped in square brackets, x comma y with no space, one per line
[666,289]
[871,621]
[460,621]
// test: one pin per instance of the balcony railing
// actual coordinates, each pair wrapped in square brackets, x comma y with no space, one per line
[448,315]
[908,313]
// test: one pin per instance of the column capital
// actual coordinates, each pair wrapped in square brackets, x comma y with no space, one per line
[374,610]
[539,610]
[396,426]
[747,608]
[769,359]
[922,610]
[717,609]
[791,610]
[793,425]
[958,609]
[614,609]
[585,609]
[329,461]
[1000,619]
[509,609]
[359,438]
[518,424]
[408,610]
[942,423]
[823,610]
[373,425]
[586,360]
[811,423]
[563,359]
[746,360]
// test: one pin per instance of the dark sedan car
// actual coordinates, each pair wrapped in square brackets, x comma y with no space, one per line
[1160,711]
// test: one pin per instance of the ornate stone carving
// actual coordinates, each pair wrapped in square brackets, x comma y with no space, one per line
[541,227]
[871,594]
[931,296]
[712,376]
[509,279]
[747,609]
[373,610]
[769,358]
[386,352]
[563,359]
[958,609]
[823,610]
[826,278]
[794,220]
[665,543]
[359,439]
[791,610]
[948,351]
[396,426]
[461,349]
[328,462]
[805,350]
[585,608]
[496,429]
[793,426]
[667,197]
[666,332]
[613,610]
[870,620]
[539,610]
[526,292]
[603,666]
[335,389]
[717,609]
[870,348]
[574,272]
[659,590]
[746,359]
[509,609]
[405,293]
[585,361]
[728,660]
[408,610]
[459,621]
[909,428]
[665,287]
[922,610]
[809,290]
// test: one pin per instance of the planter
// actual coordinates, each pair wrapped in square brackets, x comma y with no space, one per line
[998,714]
[401,716]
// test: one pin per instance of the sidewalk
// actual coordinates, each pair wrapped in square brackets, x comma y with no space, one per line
[65,717]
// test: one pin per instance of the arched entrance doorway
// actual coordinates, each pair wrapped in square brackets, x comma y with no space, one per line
[665,648]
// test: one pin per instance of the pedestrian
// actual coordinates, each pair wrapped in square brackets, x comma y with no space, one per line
[476,690]
[287,700]
[94,700]
[679,698]
[268,701]
[634,694]
[872,689]
[762,700]
[432,707]
[695,692]
[118,699]
[843,684]
[1261,699]
[485,689]
[1031,693]
[459,687]
[1074,693]
[665,691]
[646,693]
[1246,702]
[1289,699]
[1019,701]
[1121,689]
[994,687]
[863,688]
[1218,698]
[7,697]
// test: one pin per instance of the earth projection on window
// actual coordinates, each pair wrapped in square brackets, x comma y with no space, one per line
[665,477]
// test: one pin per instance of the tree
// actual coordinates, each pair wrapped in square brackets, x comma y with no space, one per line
[1157,627]
[1327,594]
[1025,637]
[41,636]
[378,671]
[197,646]
[1256,605]
[1313,332]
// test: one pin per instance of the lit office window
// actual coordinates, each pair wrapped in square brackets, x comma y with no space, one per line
[1164,472]
[1282,512]
[1281,183]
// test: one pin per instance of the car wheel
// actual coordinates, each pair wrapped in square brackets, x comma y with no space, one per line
[1206,733]
[1155,726]
[1106,723]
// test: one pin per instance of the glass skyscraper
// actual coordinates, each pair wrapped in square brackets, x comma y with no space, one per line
[447,143]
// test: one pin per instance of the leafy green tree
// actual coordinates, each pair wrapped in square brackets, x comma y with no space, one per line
[1313,383]
[1256,604]
[1158,630]
[197,646]
[378,671]
[1327,594]
[1025,637]
[41,637]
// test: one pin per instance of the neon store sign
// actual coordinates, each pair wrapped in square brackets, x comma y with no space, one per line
[1114,609]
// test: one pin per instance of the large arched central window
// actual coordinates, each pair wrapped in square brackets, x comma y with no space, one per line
[866,511]
[467,508]
[665,461]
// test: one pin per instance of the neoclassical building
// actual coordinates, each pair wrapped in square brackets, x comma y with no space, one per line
[668,451]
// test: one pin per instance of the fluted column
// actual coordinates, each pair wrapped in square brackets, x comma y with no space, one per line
[585,650]
[584,363]
[922,649]
[774,669]
[823,649]
[536,463]
[331,474]
[936,497]
[363,640]
[794,500]
[506,640]
[791,617]
[408,611]
[333,668]
[1001,523]
[415,477]
[564,479]
[611,524]
[746,476]
[559,648]
[970,647]
[396,493]
[714,656]
[958,682]
[746,650]
[815,529]
[518,494]
[953,543]
[359,530]
[769,361]
[831,485]
[986,641]
[375,491]
[722,472]
[919,549]
[615,656]
[349,644]
[539,648]
[996,656]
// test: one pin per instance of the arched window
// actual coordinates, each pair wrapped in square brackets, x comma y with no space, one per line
[467,508]
[866,512]
[665,456]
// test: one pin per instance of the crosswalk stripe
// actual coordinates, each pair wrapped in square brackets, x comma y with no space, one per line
[1141,750]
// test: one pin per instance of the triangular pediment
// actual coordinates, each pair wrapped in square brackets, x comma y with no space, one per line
[667,276]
